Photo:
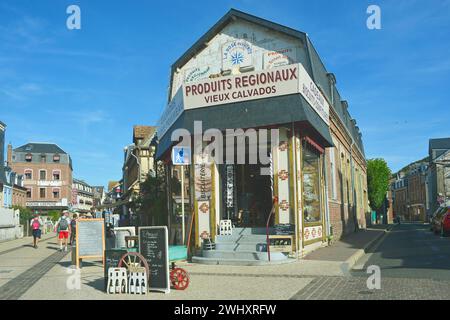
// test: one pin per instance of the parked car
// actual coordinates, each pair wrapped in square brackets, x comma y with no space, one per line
[440,221]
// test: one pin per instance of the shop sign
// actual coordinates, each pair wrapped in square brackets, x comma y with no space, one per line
[278,58]
[203,180]
[171,113]
[277,81]
[236,53]
[230,186]
[312,94]
[242,87]
[198,73]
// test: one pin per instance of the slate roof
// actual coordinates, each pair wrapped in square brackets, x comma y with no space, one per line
[40,147]
[441,143]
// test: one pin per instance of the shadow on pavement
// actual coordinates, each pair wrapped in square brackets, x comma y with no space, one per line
[412,246]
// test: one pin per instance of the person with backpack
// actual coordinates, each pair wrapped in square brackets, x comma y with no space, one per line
[36,224]
[63,229]
[73,228]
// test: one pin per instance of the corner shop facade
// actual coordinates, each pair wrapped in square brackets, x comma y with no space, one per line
[251,74]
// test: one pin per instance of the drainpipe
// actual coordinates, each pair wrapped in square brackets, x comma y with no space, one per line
[353,185]
[327,203]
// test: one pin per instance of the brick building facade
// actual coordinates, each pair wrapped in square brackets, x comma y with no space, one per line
[409,195]
[47,171]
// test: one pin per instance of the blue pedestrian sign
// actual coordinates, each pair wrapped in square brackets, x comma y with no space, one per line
[181,156]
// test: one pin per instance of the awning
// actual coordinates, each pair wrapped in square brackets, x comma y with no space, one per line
[251,114]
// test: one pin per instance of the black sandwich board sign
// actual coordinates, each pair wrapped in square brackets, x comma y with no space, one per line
[154,247]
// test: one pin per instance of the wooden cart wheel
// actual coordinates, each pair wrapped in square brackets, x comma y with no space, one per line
[134,259]
[179,278]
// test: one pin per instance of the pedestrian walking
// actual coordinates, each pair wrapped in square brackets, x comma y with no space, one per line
[36,224]
[73,229]
[63,229]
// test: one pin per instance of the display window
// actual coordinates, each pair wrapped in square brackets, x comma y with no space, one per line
[311,184]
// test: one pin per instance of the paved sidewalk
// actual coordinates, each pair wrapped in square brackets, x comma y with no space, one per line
[8,246]
[18,257]
[349,249]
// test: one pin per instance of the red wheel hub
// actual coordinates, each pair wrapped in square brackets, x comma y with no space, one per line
[179,278]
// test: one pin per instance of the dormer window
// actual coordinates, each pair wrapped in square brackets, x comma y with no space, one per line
[43,158]
[56,158]
[28,157]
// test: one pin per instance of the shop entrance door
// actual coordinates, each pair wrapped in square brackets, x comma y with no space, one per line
[254,196]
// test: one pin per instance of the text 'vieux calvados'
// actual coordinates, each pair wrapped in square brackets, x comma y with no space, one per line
[241,86]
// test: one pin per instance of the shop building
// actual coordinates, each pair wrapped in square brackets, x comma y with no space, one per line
[82,196]
[47,172]
[262,90]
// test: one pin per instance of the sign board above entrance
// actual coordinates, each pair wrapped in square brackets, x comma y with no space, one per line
[245,86]
[267,83]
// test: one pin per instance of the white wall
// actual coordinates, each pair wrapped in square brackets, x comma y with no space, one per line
[10,227]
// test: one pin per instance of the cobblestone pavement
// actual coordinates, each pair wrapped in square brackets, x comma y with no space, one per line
[414,264]
[355,288]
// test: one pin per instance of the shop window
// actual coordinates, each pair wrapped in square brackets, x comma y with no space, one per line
[42,192]
[311,184]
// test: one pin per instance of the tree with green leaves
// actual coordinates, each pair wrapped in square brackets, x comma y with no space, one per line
[378,174]
[152,199]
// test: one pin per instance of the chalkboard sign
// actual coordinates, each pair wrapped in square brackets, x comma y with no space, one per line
[112,258]
[154,247]
[90,239]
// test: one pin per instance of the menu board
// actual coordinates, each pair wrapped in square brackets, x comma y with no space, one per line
[112,258]
[90,238]
[154,247]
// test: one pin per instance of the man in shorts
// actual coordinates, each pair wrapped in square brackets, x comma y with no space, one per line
[36,224]
[63,229]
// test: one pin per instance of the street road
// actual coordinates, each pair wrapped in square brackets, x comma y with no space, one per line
[414,264]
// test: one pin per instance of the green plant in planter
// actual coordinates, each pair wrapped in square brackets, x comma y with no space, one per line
[330,238]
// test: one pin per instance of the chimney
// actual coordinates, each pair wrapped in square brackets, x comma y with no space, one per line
[9,155]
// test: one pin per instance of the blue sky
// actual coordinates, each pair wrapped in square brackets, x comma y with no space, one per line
[85,89]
